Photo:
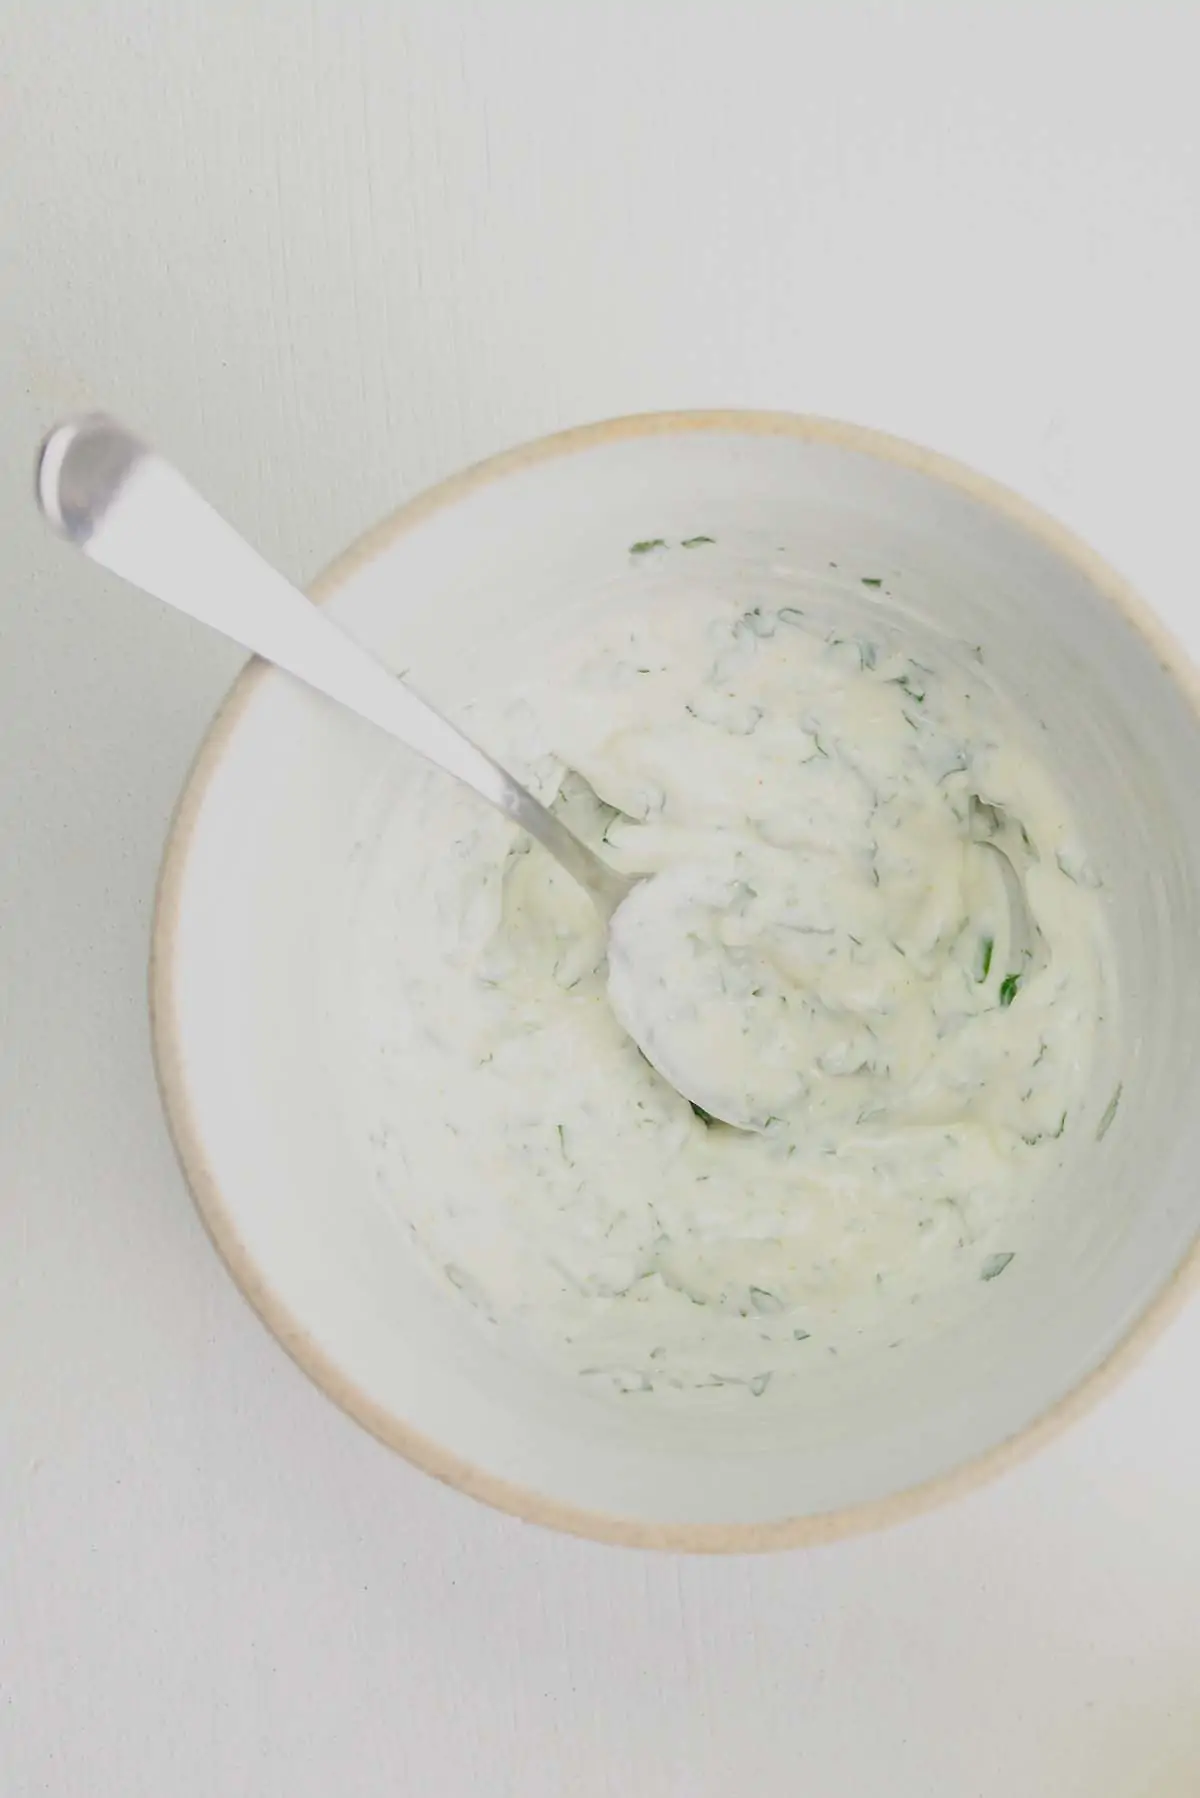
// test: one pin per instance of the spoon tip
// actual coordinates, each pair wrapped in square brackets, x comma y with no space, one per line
[81,465]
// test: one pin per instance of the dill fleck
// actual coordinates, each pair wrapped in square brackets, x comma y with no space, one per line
[985,957]
[1008,988]
[646,545]
[1110,1112]
[995,1264]
[695,542]
[872,580]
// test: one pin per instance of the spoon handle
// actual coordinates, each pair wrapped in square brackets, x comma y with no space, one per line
[133,513]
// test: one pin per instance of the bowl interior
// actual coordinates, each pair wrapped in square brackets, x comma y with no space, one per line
[251,1024]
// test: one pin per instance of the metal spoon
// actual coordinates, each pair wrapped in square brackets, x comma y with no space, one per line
[131,511]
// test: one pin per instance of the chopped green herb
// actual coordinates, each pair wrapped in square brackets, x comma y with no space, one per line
[791,615]
[562,1145]
[647,544]
[1008,988]
[1045,1135]
[985,957]
[1110,1112]
[706,1117]
[695,542]
[763,1300]
[872,580]
[801,1335]
[1076,868]
[758,1385]
[995,1264]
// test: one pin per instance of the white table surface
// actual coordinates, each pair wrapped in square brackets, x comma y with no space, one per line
[326,252]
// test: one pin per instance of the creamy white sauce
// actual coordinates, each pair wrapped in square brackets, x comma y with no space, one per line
[824,946]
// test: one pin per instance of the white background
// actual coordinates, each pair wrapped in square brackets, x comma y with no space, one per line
[325,252]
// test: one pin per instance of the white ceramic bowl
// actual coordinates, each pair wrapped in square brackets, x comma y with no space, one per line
[252,901]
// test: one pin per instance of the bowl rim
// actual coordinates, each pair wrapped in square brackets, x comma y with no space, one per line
[253,1280]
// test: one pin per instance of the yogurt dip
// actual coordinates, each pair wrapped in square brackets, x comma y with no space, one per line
[826,946]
